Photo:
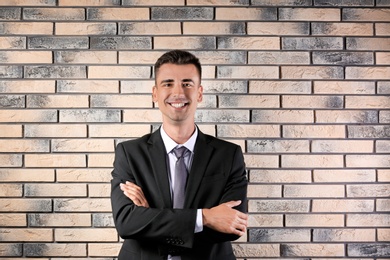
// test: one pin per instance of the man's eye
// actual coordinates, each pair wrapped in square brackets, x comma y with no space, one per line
[187,85]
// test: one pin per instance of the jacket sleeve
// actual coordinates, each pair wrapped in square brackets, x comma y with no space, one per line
[235,189]
[164,226]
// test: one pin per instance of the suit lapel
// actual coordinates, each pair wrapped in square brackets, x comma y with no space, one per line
[202,155]
[157,154]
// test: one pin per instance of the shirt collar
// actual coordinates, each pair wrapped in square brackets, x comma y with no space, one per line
[170,144]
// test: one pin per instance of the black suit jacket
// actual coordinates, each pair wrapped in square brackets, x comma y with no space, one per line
[217,175]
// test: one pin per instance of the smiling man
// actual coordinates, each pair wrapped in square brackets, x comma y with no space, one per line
[177,193]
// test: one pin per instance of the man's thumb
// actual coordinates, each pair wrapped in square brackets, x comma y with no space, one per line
[233,203]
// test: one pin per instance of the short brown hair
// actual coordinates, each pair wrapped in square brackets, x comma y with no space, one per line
[178,57]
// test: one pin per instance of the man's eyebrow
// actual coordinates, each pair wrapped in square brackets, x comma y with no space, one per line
[187,80]
[166,80]
[171,80]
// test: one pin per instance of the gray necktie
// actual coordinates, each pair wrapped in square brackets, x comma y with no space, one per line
[180,178]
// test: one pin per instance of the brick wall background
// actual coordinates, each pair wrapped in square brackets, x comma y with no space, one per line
[303,86]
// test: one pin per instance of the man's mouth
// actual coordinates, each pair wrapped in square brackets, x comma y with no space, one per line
[178,105]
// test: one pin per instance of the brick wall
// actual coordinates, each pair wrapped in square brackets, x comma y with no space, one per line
[302,86]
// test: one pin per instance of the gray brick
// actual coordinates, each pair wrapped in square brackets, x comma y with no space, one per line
[201,42]
[344,2]
[382,44]
[55,72]
[336,235]
[384,117]
[10,14]
[58,219]
[335,102]
[222,86]
[40,42]
[37,220]
[312,43]
[26,205]
[102,220]
[368,131]
[53,14]
[268,14]
[11,72]
[278,146]
[222,116]
[9,250]
[221,57]
[121,43]
[281,3]
[343,58]
[128,2]
[302,250]
[237,28]
[35,249]
[382,2]
[279,235]
[225,2]
[182,13]
[369,250]
[95,115]
[361,117]
[269,57]
[368,190]
[273,206]
[7,101]
[55,250]
[384,87]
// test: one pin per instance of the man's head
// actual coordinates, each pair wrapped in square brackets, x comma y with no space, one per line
[178,57]
[178,89]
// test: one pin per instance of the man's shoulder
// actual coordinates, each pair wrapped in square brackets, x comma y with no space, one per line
[217,142]
[137,141]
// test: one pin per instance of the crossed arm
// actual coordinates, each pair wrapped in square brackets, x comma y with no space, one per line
[222,218]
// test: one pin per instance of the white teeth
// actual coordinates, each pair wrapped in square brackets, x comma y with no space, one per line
[178,105]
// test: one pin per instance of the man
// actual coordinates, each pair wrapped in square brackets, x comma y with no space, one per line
[179,207]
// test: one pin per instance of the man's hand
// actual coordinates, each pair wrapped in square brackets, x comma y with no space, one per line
[134,193]
[225,219]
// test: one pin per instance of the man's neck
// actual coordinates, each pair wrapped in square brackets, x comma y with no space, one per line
[179,133]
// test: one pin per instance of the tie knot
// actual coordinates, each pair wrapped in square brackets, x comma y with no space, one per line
[180,152]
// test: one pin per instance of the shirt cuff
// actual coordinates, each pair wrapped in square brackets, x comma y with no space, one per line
[199,221]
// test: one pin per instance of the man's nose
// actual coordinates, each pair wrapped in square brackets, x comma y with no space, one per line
[178,89]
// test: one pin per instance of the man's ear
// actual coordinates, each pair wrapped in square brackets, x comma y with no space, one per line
[154,94]
[200,93]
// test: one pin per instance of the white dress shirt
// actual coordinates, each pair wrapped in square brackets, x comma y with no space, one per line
[171,159]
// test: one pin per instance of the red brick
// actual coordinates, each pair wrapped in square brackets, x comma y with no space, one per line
[27,175]
[25,57]
[214,28]
[280,28]
[27,28]
[88,3]
[13,42]
[366,14]
[85,235]
[13,220]
[55,160]
[311,14]
[11,131]
[86,28]
[117,14]
[28,2]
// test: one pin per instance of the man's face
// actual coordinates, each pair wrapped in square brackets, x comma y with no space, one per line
[178,92]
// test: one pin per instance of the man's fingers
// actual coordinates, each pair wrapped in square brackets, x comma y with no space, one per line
[233,203]
[135,193]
